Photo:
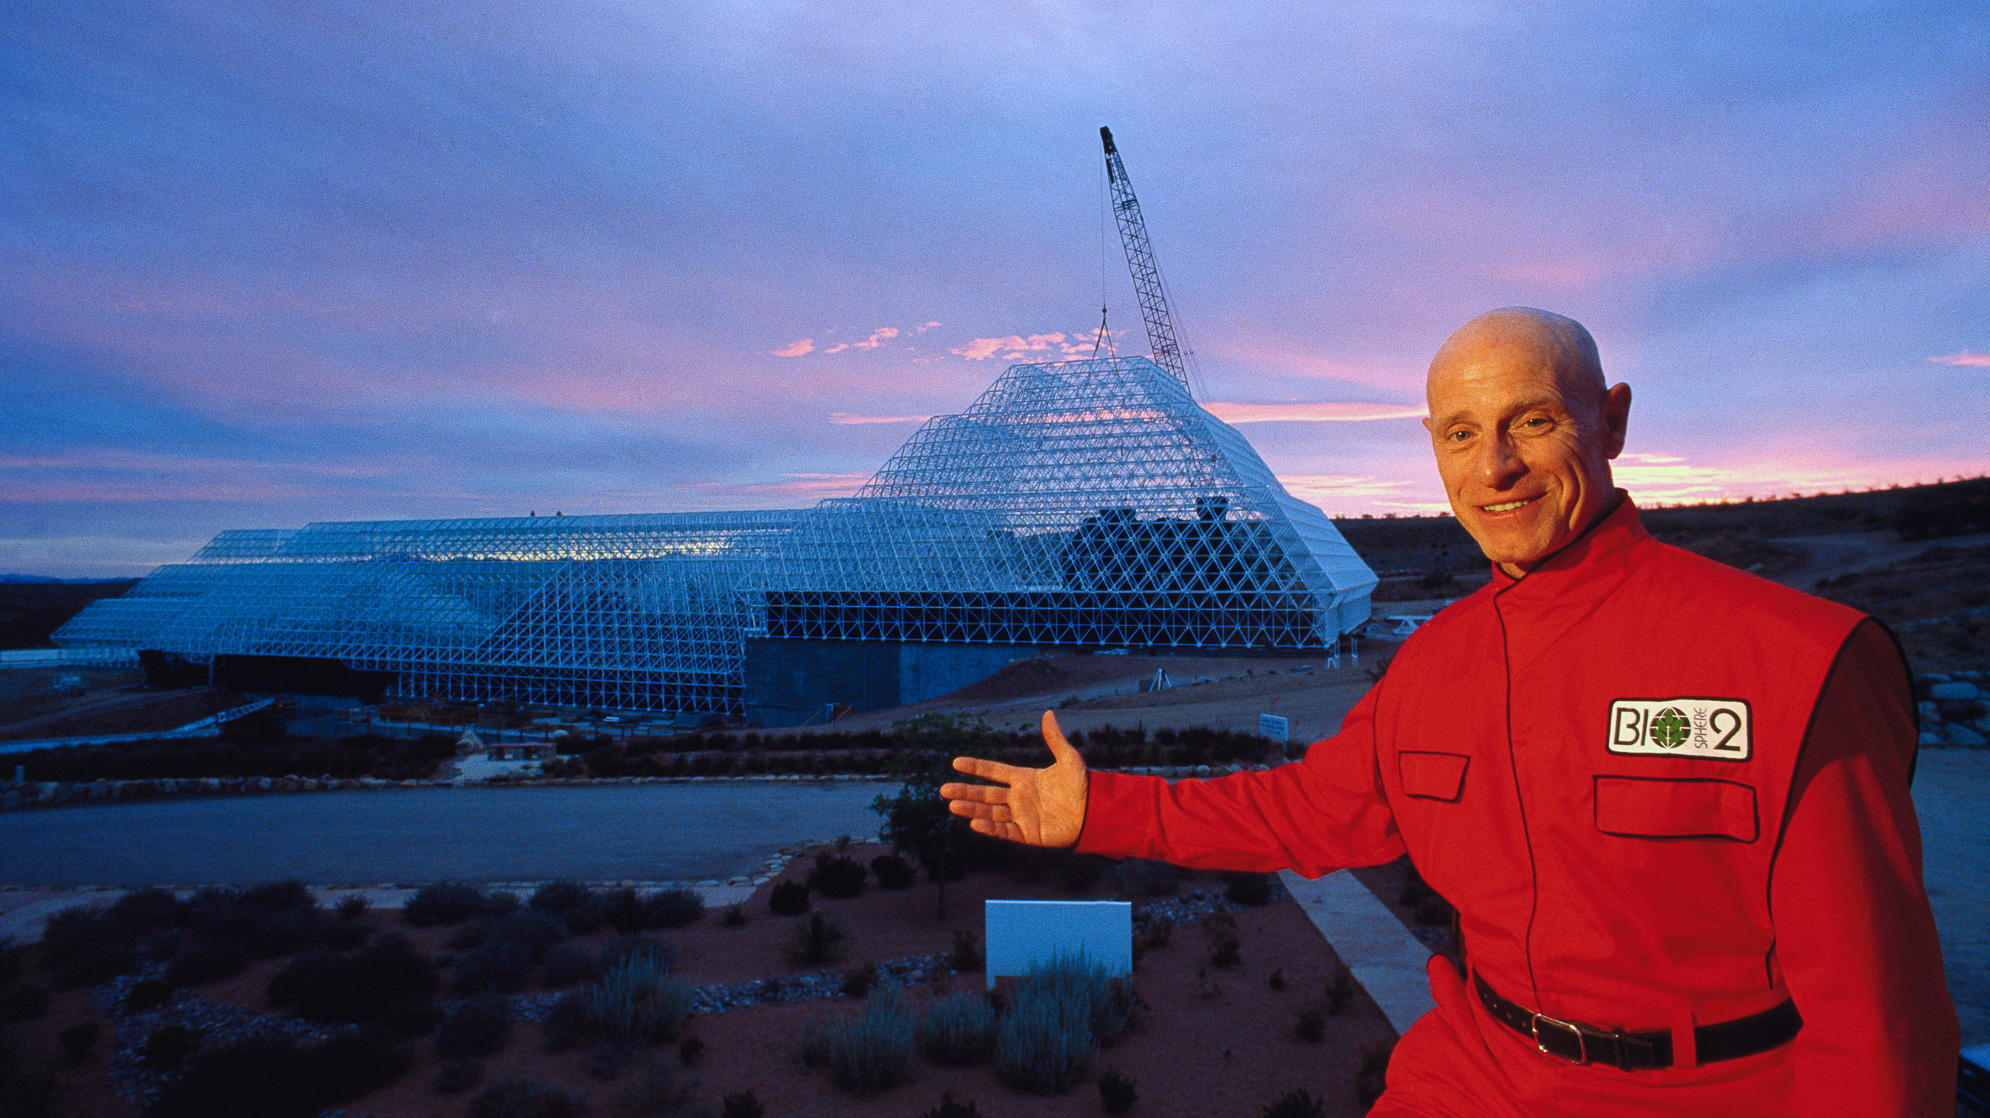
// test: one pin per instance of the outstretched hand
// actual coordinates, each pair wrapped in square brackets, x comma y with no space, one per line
[1041,807]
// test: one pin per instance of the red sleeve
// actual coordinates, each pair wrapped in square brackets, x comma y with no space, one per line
[1854,935]
[1318,815]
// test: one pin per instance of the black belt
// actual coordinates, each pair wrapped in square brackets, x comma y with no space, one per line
[1585,1044]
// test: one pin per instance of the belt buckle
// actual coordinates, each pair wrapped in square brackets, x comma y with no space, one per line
[1581,1042]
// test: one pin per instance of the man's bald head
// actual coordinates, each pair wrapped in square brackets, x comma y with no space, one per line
[1524,431]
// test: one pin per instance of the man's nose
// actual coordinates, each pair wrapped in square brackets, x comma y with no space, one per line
[1499,465]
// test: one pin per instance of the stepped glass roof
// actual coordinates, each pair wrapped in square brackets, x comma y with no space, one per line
[1080,503]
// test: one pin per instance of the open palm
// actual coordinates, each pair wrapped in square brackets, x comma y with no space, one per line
[1040,807]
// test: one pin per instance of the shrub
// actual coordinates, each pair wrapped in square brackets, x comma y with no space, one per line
[1296,1103]
[1253,889]
[1225,949]
[499,965]
[475,1026]
[146,993]
[1064,1011]
[672,908]
[743,1104]
[206,961]
[443,903]
[346,989]
[284,931]
[817,941]
[1116,1092]
[261,1076]
[453,1077]
[1155,930]
[565,1023]
[656,1092]
[167,1045]
[866,1054]
[352,907]
[470,934]
[1276,979]
[534,931]
[958,1030]
[966,955]
[789,898]
[638,1002]
[690,1050]
[501,902]
[24,1002]
[1340,989]
[1311,1024]
[523,1098]
[557,898]
[948,1108]
[841,876]
[638,947]
[892,871]
[1372,1076]
[79,1040]
[87,947]
[356,1061]
[566,964]
[733,916]
[858,980]
[1142,877]
[621,909]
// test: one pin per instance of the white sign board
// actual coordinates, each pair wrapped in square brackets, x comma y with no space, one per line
[1271,726]
[1021,934]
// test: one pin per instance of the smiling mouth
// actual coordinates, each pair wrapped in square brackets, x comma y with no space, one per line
[1508,506]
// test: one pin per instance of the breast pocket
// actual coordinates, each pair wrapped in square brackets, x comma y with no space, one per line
[1651,807]
[1432,776]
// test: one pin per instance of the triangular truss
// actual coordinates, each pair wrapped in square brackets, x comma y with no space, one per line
[1082,503]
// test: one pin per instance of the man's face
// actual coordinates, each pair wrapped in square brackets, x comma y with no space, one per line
[1523,446]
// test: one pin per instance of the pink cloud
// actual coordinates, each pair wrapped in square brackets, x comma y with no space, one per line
[1016,346]
[1963,358]
[808,486]
[845,419]
[878,337]
[804,345]
[1310,413]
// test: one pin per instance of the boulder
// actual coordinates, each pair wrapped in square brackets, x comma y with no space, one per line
[1955,690]
[1965,736]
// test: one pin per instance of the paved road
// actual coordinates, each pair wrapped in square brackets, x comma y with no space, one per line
[1952,794]
[652,832]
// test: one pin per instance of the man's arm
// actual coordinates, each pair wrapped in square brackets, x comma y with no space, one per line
[1854,933]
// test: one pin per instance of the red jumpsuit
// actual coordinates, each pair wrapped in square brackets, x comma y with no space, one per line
[1661,793]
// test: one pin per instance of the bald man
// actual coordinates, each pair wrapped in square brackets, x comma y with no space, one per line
[1668,799]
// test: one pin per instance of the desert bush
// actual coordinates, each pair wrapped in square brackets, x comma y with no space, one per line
[1339,990]
[1253,889]
[672,908]
[690,1050]
[840,876]
[87,947]
[534,931]
[966,955]
[566,964]
[621,909]
[637,1002]
[1371,1077]
[623,948]
[1117,1093]
[892,871]
[1296,1103]
[556,898]
[657,1092]
[146,993]
[346,988]
[523,1098]
[24,1002]
[566,1023]
[733,915]
[788,898]
[499,965]
[865,1054]
[475,1026]
[205,961]
[817,941]
[470,934]
[453,1077]
[443,903]
[343,934]
[79,1040]
[1153,930]
[499,903]
[1064,1011]
[1276,979]
[262,1076]
[742,1104]
[858,980]
[352,906]
[167,1045]
[1225,948]
[353,1062]
[1142,877]
[958,1030]
[1311,1023]
[949,1107]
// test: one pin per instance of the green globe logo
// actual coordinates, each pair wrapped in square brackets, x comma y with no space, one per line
[1669,728]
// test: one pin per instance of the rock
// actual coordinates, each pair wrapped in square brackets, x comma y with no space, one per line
[1931,738]
[1928,711]
[264,784]
[1963,735]
[51,794]
[1956,690]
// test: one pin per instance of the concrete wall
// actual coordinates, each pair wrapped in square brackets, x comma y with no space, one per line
[927,671]
[789,682]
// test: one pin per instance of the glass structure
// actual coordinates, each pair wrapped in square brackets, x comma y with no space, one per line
[1082,503]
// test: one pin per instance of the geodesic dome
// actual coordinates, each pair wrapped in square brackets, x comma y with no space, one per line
[1083,503]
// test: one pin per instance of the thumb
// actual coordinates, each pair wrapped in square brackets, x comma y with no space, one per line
[1060,748]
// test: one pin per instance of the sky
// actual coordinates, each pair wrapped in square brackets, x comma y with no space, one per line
[267,263]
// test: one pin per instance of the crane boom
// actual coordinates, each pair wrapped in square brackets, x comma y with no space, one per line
[1140,261]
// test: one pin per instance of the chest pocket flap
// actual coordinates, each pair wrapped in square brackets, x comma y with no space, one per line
[1432,776]
[1648,807]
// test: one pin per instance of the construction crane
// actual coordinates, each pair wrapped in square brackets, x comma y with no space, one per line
[1140,261]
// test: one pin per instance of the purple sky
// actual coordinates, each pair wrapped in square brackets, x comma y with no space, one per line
[263,263]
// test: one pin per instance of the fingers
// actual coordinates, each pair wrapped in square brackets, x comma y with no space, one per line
[975,793]
[986,770]
[1060,747]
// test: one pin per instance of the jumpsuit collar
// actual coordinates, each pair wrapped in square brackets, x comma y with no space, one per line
[1541,605]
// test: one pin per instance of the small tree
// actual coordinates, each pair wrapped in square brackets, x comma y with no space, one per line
[916,820]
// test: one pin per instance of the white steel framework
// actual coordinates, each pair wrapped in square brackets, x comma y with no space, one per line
[1081,503]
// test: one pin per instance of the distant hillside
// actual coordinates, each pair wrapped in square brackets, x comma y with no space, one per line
[1920,512]
[30,611]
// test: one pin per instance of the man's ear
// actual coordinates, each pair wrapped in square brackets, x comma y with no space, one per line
[1616,419]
